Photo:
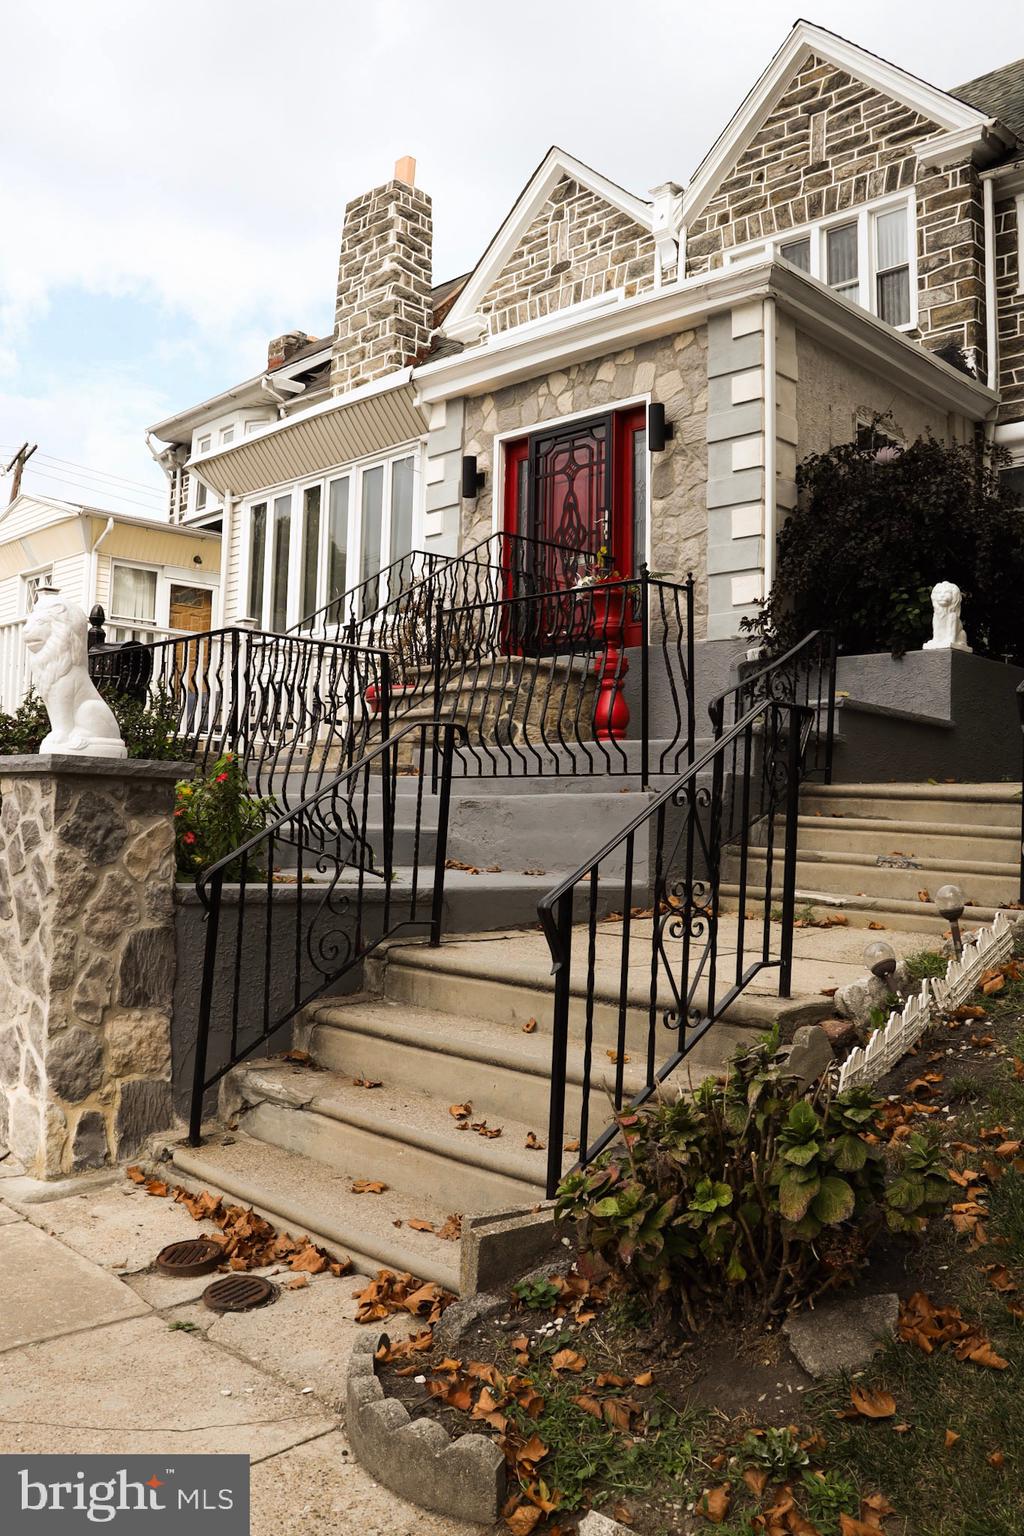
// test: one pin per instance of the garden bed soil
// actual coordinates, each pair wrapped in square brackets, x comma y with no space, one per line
[705,1393]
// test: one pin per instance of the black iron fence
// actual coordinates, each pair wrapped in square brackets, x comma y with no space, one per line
[1020,714]
[294,909]
[805,674]
[294,709]
[640,953]
[591,679]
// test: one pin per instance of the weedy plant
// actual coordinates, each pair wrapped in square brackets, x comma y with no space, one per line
[214,815]
[750,1193]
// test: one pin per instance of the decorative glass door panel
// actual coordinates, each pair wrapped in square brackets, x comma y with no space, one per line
[568,510]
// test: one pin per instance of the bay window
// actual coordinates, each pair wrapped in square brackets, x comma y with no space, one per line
[308,544]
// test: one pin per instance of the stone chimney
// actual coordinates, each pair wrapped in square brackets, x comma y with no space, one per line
[384,315]
[283,347]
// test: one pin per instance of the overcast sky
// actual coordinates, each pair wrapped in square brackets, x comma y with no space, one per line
[173,177]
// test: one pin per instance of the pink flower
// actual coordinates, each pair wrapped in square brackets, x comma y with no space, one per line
[190,837]
[222,778]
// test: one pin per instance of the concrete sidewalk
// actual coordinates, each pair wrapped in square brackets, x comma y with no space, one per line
[100,1354]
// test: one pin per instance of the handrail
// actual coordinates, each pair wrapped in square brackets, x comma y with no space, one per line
[780,679]
[1020,712]
[665,867]
[297,933]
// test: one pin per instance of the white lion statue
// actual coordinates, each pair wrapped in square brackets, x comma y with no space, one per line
[80,721]
[947,630]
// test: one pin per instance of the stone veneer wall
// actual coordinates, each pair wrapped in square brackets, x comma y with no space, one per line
[577,247]
[672,369]
[869,150]
[384,311]
[86,958]
[1010,309]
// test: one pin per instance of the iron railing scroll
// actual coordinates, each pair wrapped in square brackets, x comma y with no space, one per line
[300,905]
[637,947]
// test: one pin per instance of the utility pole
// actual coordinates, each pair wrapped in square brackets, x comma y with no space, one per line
[18,463]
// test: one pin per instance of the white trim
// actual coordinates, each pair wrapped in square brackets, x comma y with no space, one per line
[556,164]
[851,330]
[806,41]
[864,216]
[1019,205]
[770,428]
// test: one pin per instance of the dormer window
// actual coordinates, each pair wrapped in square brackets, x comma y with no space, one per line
[866,255]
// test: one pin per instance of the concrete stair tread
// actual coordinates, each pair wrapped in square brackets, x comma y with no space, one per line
[1000,792]
[853,859]
[396,1114]
[915,916]
[891,827]
[304,1196]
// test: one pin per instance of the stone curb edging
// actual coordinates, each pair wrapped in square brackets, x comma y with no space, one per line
[417,1458]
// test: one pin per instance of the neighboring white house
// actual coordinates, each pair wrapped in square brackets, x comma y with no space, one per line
[151,579]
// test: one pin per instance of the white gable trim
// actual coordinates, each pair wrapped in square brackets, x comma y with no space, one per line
[804,41]
[462,322]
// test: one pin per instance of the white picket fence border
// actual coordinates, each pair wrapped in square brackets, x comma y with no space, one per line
[990,946]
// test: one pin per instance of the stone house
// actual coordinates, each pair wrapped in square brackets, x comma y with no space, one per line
[845,260]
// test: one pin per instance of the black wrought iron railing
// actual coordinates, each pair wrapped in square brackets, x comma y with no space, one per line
[294,909]
[294,709]
[805,674]
[592,679]
[644,961]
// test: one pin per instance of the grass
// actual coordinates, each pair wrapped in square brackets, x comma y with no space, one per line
[925,962]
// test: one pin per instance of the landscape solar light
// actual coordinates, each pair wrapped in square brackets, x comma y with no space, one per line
[950,901]
[880,959]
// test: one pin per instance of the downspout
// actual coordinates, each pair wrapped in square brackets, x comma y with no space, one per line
[227,529]
[991,297]
[94,562]
[770,494]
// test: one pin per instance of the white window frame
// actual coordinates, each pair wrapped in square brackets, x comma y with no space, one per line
[353,549]
[43,574]
[864,217]
[167,576]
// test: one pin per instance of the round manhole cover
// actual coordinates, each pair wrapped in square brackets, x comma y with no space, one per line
[196,1257]
[239,1293]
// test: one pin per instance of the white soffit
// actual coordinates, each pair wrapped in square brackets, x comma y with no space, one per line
[806,41]
[295,449]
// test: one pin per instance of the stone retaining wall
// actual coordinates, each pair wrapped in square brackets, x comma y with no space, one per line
[86,958]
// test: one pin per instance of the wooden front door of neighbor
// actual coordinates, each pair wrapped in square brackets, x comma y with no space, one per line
[191,608]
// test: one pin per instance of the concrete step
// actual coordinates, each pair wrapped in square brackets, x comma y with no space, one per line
[861,911]
[308,1198]
[975,804]
[405,1138]
[951,841]
[858,875]
[503,1072]
[450,980]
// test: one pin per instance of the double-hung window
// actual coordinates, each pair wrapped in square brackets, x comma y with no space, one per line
[866,255]
[310,544]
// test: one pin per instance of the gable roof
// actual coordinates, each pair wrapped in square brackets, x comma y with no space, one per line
[806,40]
[1000,93]
[556,164]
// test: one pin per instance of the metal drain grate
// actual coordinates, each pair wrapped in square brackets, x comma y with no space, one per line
[196,1257]
[239,1293]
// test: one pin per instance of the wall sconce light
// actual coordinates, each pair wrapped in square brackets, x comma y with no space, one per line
[472,478]
[950,901]
[659,431]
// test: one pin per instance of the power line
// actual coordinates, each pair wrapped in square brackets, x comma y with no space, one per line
[111,487]
[115,495]
[101,474]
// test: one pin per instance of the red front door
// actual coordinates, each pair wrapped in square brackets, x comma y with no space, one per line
[577,495]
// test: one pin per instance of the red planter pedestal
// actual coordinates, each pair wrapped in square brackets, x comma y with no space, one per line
[611,712]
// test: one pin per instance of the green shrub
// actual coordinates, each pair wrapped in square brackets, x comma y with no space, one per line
[873,533]
[149,730]
[748,1193]
[213,816]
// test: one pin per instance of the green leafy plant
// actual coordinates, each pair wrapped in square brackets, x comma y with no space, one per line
[213,816]
[776,1451]
[536,1295]
[826,1496]
[873,532]
[149,730]
[749,1192]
